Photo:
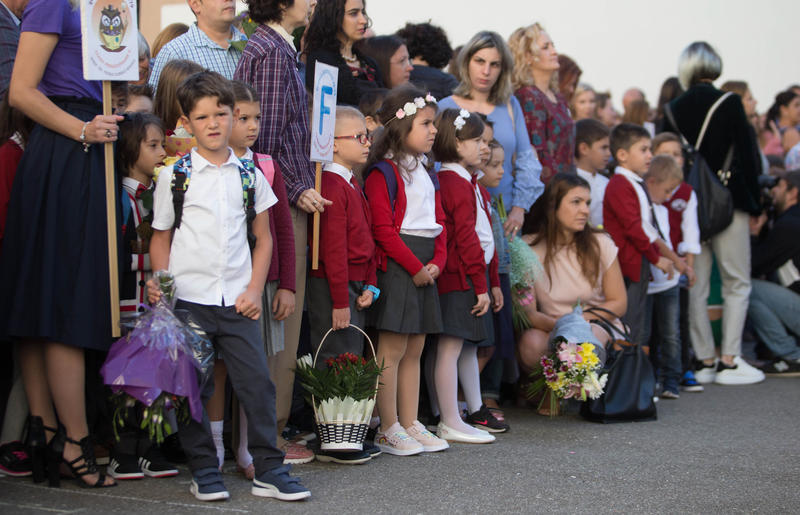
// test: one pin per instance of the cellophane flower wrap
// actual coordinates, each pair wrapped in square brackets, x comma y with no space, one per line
[159,365]
[525,270]
[571,370]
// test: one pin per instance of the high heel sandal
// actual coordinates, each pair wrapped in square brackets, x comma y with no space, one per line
[83,465]
[36,447]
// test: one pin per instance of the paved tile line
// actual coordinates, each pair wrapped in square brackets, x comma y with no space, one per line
[129,498]
[37,507]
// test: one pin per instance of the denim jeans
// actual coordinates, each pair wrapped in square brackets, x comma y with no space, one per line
[662,311]
[774,312]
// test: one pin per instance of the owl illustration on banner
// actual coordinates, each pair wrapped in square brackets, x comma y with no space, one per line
[112,27]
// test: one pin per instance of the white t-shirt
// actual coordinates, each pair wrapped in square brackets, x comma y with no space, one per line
[483,227]
[420,216]
[659,281]
[210,256]
[598,183]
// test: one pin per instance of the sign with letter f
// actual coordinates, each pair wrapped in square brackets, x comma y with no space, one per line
[323,121]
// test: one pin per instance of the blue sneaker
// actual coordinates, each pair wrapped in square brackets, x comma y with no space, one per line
[690,384]
[207,485]
[279,484]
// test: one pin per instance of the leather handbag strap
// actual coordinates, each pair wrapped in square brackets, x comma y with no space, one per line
[607,324]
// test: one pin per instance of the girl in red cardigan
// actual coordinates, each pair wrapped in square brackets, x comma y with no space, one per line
[408,227]
[464,284]
[278,298]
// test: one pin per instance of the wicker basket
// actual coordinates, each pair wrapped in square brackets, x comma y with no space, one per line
[340,434]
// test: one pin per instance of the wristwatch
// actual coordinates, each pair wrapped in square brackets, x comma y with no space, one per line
[375,291]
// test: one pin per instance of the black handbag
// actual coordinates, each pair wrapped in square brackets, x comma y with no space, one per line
[714,200]
[631,383]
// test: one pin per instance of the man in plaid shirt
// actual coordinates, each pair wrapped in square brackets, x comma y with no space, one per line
[10,14]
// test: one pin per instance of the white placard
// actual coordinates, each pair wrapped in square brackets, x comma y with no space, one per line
[110,40]
[323,122]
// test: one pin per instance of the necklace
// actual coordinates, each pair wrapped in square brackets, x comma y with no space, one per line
[352,59]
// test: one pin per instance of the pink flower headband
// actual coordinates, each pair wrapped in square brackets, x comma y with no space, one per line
[411,108]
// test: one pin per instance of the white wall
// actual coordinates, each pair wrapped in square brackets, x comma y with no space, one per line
[623,43]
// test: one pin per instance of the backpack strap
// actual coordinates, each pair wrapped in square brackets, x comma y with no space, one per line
[181,173]
[247,172]
[701,135]
[388,170]
[267,167]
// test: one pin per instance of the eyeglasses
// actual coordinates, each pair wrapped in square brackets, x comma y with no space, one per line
[360,137]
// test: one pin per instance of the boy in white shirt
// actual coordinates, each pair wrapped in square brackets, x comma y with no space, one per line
[219,280]
[592,153]
[662,307]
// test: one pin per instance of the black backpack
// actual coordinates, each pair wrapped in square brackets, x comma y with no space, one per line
[714,200]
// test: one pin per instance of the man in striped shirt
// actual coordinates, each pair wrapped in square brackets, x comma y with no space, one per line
[208,42]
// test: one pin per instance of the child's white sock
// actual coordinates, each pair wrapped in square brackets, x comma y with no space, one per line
[216,434]
[243,457]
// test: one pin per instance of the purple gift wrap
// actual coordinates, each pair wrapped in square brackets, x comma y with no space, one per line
[157,356]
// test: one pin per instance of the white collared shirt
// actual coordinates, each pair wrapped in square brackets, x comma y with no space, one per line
[341,171]
[420,215]
[210,256]
[14,18]
[644,206]
[660,281]
[597,183]
[483,227]
[277,27]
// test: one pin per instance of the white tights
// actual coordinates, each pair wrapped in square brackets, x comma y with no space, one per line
[456,361]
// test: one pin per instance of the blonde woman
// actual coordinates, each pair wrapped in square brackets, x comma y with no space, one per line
[547,118]
[583,104]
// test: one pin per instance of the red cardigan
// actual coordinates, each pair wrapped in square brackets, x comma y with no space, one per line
[10,156]
[281,226]
[386,223]
[622,219]
[465,256]
[346,247]
[684,192]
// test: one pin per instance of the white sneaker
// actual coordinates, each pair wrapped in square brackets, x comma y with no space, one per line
[430,442]
[706,374]
[396,441]
[740,373]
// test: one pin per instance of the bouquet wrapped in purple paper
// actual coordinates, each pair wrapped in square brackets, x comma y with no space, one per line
[160,364]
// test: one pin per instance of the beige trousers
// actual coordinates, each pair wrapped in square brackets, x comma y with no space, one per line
[732,250]
[281,365]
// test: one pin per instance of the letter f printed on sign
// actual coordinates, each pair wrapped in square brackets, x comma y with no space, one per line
[324,109]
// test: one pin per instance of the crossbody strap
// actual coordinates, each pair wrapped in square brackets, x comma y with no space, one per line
[708,119]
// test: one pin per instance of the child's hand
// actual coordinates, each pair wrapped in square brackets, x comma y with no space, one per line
[665,265]
[282,304]
[691,276]
[681,265]
[248,304]
[482,305]
[422,278]
[497,299]
[341,318]
[153,291]
[365,300]
[433,270]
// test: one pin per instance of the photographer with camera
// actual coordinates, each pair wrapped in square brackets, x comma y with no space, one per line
[775,302]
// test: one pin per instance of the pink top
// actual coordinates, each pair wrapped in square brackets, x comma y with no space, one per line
[570,283]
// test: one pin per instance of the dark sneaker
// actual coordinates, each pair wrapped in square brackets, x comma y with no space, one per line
[124,466]
[783,367]
[277,483]
[484,419]
[372,449]
[689,383]
[14,461]
[154,464]
[207,485]
[344,458]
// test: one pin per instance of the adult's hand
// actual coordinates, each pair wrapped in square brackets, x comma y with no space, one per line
[514,221]
[312,202]
[103,129]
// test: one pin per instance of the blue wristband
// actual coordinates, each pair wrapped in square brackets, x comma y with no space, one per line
[375,291]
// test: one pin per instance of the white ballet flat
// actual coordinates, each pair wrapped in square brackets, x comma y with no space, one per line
[451,435]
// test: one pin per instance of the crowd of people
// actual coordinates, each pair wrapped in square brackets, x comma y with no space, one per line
[442,158]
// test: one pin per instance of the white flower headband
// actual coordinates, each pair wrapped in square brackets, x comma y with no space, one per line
[411,108]
[461,119]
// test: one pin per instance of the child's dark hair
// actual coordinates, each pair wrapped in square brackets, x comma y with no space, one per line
[13,121]
[428,42]
[267,11]
[782,99]
[485,119]
[243,92]
[664,137]
[392,140]
[371,101]
[132,131]
[589,131]
[444,147]
[202,85]
[140,90]
[624,135]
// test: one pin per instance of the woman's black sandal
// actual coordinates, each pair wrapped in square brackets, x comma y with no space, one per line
[83,465]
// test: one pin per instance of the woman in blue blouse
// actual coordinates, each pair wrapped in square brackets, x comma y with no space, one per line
[484,69]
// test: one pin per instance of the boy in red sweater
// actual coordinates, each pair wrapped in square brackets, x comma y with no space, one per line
[344,284]
[628,219]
